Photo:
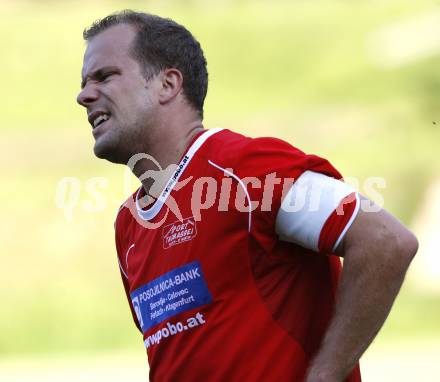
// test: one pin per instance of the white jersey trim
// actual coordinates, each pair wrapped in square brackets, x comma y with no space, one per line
[122,270]
[158,204]
[350,222]
[307,206]
[240,182]
[126,262]
[116,220]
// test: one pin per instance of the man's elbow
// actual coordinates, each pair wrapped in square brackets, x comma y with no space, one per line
[399,248]
[381,241]
[407,246]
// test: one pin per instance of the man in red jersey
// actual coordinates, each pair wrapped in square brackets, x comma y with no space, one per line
[229,257]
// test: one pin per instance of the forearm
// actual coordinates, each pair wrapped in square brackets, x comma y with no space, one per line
[370,281]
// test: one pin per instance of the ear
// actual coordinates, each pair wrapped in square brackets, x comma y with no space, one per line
[172,82]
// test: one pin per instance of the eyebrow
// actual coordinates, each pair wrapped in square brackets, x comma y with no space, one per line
[99,73]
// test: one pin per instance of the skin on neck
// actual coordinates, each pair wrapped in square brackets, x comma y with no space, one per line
[177,124]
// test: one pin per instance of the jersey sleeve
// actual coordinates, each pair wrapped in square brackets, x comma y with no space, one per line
[302,198]
[316,212]
[120,253]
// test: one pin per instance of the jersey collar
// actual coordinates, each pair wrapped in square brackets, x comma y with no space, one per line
[152,212]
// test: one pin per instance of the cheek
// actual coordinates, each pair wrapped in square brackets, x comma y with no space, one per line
[132,103]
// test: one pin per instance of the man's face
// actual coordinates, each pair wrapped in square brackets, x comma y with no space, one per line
[120,103]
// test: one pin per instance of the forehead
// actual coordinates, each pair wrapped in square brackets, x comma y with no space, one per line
[110,47]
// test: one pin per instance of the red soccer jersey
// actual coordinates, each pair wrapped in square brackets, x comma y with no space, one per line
[216,290]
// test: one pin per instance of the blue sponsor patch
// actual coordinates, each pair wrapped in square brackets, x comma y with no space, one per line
[177,291]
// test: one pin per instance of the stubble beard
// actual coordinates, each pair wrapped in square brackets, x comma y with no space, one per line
[108,146]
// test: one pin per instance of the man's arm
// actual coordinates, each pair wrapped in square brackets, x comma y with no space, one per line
[377,251]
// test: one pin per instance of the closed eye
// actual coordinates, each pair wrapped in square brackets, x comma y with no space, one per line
[105,76]
[100,75]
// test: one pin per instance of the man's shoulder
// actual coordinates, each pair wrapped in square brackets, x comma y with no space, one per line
[237,149]
[125,211]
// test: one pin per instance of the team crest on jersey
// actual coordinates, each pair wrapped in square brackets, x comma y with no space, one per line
[179,232]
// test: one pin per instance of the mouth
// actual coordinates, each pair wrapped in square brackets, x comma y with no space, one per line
[97,119]
[100,120]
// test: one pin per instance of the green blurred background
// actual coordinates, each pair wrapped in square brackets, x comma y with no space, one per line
[356,82]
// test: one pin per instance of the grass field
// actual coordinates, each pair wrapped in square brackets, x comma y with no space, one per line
[297,70]
[406,361]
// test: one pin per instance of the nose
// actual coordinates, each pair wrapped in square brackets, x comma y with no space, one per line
[87,95]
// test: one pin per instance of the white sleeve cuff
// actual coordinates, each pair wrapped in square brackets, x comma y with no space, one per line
[307,206]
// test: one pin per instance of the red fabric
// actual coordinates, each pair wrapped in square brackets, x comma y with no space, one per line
[271,300]
[336,223]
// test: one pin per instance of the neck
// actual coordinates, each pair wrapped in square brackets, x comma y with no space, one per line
[155,168]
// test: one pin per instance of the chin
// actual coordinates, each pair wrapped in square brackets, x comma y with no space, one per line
[106,151]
